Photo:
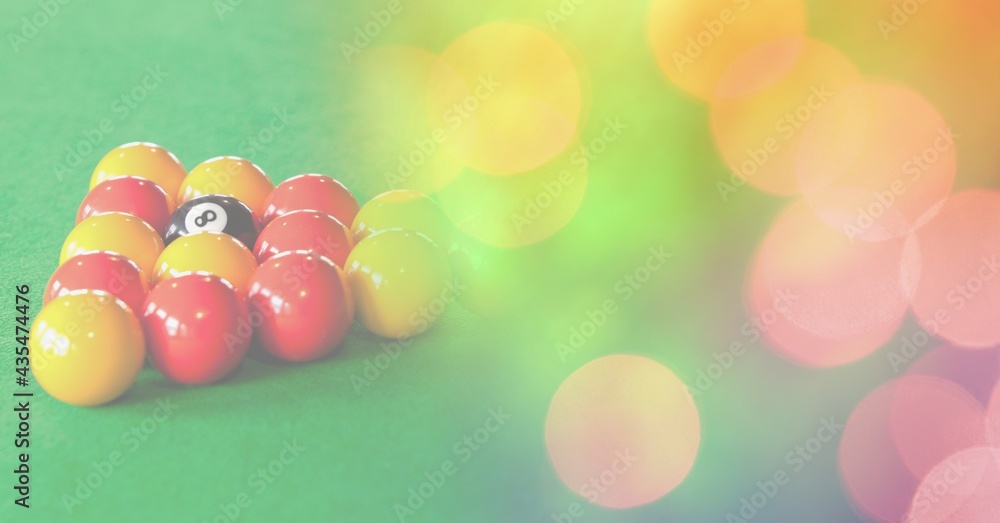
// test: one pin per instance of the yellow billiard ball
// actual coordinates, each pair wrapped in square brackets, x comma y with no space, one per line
[116,232]
[229,176]
[87,348]
[403,209]
[144,160]
[400,281]
[212,252]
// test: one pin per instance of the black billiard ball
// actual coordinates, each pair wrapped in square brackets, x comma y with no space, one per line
[214,212]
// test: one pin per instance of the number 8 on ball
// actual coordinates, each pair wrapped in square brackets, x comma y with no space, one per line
[215,213]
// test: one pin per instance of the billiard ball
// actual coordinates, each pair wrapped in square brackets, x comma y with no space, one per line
[305,231]
[400,281]
[131,195]
[217,213]
[86,348]
[142,159]
[403,209]
[228,176]
[311,192]
[304,304]
[197,328]
[101,271]
[116,232]
[210,252]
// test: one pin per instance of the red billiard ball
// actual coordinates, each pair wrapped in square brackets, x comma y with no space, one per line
[197,328]
[305,231]
[130,195]
[100,271]
[311,192]
[304,303]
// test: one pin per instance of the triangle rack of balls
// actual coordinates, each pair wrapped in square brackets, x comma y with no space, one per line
[189,272]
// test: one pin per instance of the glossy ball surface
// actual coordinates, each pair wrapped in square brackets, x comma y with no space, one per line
[305,231]
[400,281]
[86,348]
[403,209]
[130,195]
[216,213]
[100,271]
[211,252]
[116,232]
[142,159]
[228,176]
[304,302]
[311,192]
[197,328]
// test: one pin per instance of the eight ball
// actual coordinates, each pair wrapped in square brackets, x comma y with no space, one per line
[216,213]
